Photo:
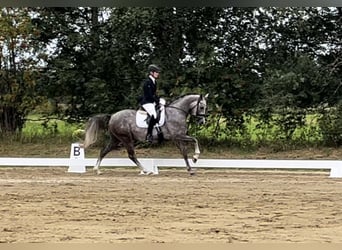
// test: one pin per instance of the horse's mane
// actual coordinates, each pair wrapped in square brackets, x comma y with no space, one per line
[180,97]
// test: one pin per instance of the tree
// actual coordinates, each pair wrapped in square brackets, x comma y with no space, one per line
[98,64]
[300,64]
[303,38]
[247,58]
[18,68]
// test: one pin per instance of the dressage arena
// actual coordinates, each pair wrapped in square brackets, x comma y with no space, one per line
[48,204]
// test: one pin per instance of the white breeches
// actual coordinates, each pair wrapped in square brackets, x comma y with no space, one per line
[150,109]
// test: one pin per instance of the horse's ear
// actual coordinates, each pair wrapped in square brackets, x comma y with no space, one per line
[206,96]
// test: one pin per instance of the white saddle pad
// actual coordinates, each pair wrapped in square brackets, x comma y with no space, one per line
[141,118]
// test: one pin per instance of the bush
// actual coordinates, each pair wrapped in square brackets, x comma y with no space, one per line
[330,124]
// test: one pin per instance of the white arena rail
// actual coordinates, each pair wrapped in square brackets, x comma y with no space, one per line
[178,163]
[175,163]
[77,163]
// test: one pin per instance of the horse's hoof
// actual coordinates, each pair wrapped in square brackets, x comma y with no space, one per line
[191,172]
[145,173]
[97,171]
[195,158]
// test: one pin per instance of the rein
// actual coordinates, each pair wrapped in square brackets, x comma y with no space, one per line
[188,112]
[169,106]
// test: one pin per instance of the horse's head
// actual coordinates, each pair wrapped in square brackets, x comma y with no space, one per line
[200,110]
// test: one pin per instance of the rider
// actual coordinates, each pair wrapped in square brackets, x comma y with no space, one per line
[150,98]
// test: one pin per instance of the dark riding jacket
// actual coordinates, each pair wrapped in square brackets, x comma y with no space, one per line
[149,92]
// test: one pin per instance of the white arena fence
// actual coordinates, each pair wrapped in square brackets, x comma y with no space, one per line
[77,163]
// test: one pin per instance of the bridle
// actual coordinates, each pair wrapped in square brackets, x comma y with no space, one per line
[197,109]
[191,108]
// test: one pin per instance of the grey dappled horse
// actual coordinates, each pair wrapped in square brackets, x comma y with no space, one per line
[123,129]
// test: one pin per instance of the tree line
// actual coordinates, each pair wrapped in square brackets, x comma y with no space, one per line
[252,61]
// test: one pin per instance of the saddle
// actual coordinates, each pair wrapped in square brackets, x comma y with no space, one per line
[142,117]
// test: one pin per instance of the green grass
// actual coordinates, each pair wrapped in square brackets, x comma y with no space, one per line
[53,139]
[215,134]
[253,133]
[36,129]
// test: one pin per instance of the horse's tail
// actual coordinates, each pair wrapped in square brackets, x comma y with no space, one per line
[94,125]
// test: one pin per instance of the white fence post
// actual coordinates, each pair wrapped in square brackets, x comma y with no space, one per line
[336,171]
[150,166]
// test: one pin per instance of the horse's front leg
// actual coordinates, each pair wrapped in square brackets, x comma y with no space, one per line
[183,149]
[197,151]
[187,138]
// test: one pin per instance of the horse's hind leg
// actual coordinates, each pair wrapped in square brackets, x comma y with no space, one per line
[132,156]
[113,143]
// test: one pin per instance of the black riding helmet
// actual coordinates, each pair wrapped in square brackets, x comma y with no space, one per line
[153,68]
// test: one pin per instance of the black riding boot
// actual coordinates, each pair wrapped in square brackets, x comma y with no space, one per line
[151,124]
